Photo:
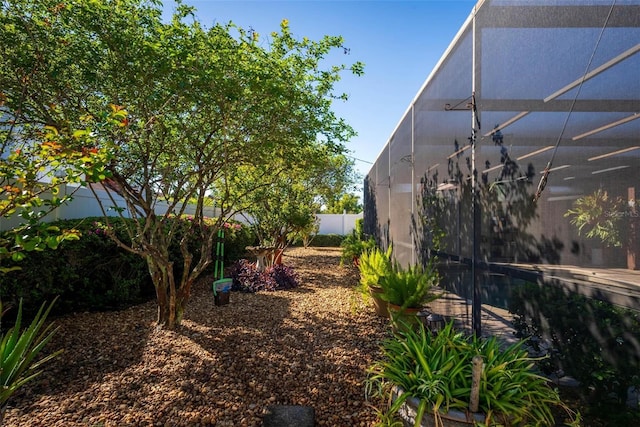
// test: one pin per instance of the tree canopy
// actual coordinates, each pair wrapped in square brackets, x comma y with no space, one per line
[345,203]
[205,108]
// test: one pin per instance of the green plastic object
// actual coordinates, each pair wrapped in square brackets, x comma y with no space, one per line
[222,284]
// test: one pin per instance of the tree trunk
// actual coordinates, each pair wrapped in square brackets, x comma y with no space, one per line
[182,298]
[171,321]
[278,256]
[172,296]
[162,305]
[164,283]
[172,300]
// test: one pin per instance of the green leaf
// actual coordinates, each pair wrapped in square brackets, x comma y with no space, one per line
[80,134]
[17,256]
[18,350]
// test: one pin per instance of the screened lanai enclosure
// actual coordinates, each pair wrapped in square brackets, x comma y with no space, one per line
[518,162]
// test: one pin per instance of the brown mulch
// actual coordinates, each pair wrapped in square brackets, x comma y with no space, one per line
[224,366]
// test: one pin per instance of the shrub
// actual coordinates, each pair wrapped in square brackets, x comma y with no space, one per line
[437,369]
[323,241]
[247,278]
[327,241]
[236,241]
[353,246]
[285,276]
[91,273]
[592,341]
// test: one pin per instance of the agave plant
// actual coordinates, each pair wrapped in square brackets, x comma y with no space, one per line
[19,350]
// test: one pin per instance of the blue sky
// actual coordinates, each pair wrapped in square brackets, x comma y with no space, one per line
[399,42]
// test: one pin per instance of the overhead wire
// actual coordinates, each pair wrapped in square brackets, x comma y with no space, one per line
[543,180]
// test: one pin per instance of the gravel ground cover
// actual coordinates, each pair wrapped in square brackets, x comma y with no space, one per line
[223,366]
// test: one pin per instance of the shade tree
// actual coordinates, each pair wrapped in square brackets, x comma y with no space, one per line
[205,106]
[285,197]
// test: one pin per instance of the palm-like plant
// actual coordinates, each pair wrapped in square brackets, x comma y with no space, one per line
[374,264]
[411,287]
[353,246]
[599,215]
[18,352]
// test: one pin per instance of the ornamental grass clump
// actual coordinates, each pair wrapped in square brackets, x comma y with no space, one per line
[436,369]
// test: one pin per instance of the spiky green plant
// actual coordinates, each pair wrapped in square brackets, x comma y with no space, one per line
[374,264]
[410,287]
[436,369]
[19,350]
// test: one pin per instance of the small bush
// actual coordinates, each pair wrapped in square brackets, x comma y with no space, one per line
[93,273]
[247,278]
[327,240]
[235,243]
[592,341]
[353,247]
[285,276]
[90,274]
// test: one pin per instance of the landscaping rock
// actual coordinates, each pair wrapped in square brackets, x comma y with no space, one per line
[289,416]
[309,346]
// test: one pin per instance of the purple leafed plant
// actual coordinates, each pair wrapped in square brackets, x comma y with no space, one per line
[247,278]
[285,276]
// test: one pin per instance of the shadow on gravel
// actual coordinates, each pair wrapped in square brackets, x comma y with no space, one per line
[223,366]
[265,355]
[94,345]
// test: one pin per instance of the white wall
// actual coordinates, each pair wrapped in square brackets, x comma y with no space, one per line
[341,224]
[84,205]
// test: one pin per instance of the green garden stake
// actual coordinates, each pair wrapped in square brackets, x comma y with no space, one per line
[222,284]
[217,262]
[221,240]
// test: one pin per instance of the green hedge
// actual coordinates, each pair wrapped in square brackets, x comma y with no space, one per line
[325,241]
[595,342]
[93,273]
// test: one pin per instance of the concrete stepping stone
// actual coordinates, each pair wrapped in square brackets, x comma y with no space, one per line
[289,416]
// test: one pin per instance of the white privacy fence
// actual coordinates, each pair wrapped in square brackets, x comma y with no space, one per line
[84,205]
[341,224]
